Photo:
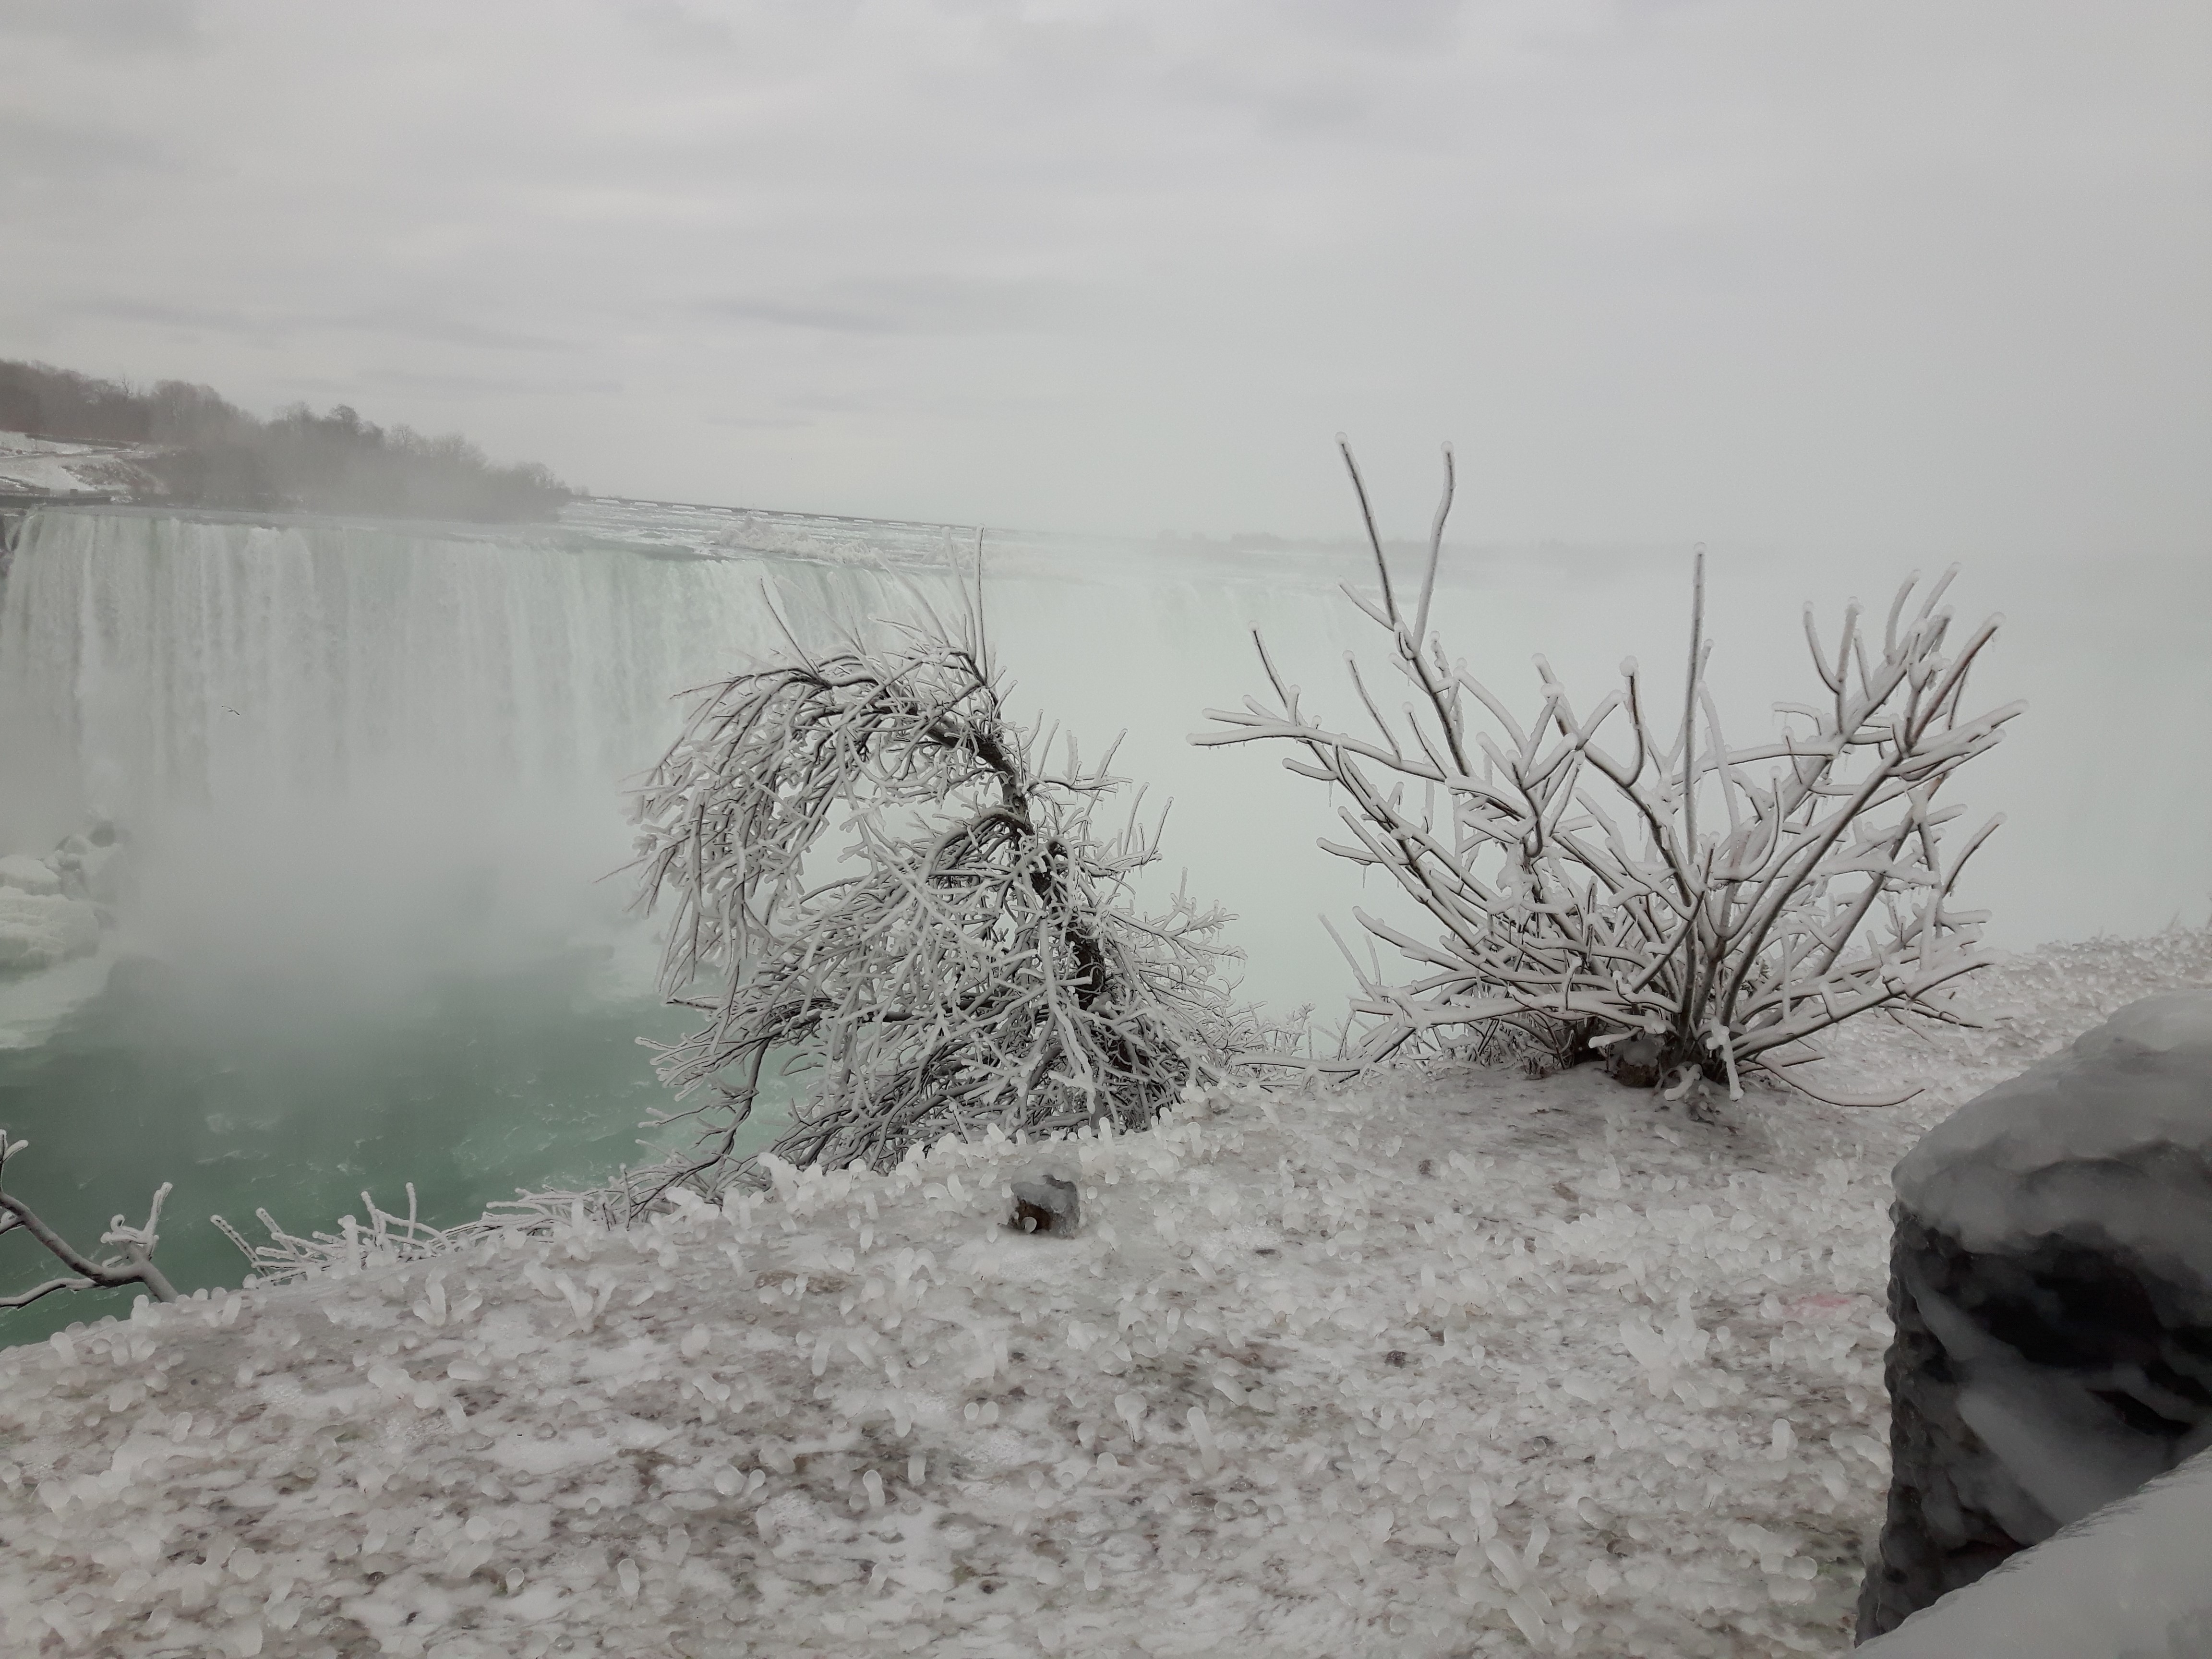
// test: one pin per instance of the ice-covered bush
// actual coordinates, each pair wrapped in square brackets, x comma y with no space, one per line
[980,961]
[1616,875]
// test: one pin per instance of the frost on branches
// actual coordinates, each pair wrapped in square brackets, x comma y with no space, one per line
[134,1267]
[983,965]
[1616,875]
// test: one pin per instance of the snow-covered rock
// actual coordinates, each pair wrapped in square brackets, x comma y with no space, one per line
[86,865]
[2052,1289]
[38,930]
[27,875]
[2134,1579]
[32,466]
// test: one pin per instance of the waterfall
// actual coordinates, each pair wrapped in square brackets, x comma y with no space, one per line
[149,663]
[378,745]
[326,726]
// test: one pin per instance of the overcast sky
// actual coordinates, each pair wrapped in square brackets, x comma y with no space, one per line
[1893,275]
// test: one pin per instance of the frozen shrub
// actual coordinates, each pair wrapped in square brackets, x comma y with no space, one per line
[984,963]
[1606,877]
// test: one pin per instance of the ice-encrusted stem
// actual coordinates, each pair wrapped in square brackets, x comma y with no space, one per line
[135,1267]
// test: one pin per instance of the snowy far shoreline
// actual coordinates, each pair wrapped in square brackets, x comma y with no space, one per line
[1462,1362]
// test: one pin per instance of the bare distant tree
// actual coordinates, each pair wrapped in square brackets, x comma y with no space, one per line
[205,452]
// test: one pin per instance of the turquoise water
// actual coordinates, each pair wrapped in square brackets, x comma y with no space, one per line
[283,1093]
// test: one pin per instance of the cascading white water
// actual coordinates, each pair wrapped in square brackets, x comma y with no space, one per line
[174,661]
[321,727]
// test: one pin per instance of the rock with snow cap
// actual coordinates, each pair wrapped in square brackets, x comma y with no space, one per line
[1047,1204]
[1635,1061]
[38,930]
[2052,1288]
[27,875]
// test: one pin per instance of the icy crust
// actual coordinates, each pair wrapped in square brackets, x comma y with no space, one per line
[39,930]
[49,466]
[27,875]
[46,916]
[2030,1007]
[152,1504]
[1509,1364]
[710,531]
[2092,1139]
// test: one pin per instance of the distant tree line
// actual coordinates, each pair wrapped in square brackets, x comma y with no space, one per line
[204,451]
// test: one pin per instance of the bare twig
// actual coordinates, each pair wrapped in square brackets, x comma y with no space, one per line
[387,1239]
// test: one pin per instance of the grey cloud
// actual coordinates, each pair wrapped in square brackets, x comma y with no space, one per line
[63,152]
[681,29]
[1317,106]
[207,319]
[106,26]
[443,330]
[1396,26]
[802,314]
[911,304]
[1293,94]
[502,385]
[432,329]
[829,402]
[1663,265]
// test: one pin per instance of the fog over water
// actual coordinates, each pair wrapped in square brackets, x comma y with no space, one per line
[369,781]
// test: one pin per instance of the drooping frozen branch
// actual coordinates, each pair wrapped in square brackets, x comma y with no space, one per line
[984,964]
[1579,895]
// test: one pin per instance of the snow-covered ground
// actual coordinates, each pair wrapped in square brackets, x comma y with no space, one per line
[50,467]
[1470,1363]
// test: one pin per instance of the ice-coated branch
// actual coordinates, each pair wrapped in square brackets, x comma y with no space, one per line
[387,1239]
[135,1267]
[1731,900]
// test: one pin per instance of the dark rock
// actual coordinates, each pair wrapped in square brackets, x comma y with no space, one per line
[1047,1205]
[1635,1061]
[2133,1581]
[2050,1281]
